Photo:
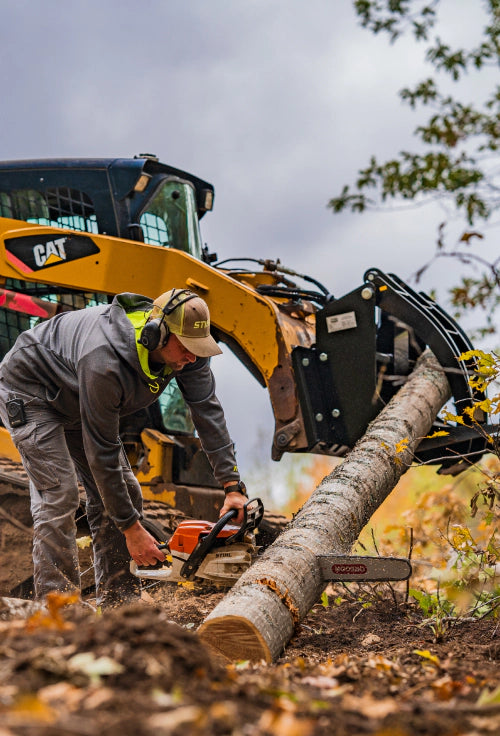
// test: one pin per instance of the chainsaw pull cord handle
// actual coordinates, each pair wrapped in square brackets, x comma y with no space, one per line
[251,520]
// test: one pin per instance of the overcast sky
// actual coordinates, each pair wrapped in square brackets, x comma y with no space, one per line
[278,103]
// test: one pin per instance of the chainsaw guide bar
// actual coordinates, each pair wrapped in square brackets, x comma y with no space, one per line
[358,569]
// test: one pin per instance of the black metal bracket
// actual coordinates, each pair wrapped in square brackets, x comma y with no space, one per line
[367,343]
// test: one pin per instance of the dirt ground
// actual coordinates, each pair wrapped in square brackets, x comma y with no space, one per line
[140,670]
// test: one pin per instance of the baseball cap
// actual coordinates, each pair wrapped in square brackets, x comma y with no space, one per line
[190,321]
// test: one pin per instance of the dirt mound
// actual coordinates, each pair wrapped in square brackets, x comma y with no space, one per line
[115,668]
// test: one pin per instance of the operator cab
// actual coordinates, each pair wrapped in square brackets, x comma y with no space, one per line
[138,199]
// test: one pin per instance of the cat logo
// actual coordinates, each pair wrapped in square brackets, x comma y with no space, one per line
[28,253]
[50,253]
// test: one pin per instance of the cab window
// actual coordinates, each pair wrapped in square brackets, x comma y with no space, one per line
[171,219]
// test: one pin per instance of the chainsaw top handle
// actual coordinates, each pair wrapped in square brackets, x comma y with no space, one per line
[251,520]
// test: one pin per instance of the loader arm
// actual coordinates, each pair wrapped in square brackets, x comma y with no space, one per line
[254,326]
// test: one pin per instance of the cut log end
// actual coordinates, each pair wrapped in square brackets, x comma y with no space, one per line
[236,638]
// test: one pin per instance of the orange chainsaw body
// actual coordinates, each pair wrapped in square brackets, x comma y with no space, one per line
[188,533]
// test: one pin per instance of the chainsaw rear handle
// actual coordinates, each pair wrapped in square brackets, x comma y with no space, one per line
[251,520]
[152,572]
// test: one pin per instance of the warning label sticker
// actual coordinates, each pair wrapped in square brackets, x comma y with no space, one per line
[338,322]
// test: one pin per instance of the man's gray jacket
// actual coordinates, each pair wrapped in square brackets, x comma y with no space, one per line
[88,366]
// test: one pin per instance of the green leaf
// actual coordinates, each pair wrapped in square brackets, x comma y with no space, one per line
[488,697]
[94,667]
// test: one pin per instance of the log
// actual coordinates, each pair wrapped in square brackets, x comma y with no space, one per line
[257,618]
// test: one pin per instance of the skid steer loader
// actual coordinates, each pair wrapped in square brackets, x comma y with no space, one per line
[75,232]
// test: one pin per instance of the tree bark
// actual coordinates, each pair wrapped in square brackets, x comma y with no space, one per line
[257,618]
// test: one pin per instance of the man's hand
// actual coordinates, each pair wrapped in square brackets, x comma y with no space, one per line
[142,546]
[234,500]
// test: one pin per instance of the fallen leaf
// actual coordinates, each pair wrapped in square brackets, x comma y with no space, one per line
[370,639]
[370,707]
[171,720]
[484,724]
[98,697]
[427,655]
[224,711]
[321,681]
[51,616]
[84,542]
[94,668]
[489,697]
[445,688]
[62,695]
[380,663]
[32,708]
[285,723]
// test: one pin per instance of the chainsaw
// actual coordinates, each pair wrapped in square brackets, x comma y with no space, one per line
[220,553]
[203,550]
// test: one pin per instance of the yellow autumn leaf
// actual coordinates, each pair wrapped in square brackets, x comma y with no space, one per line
[425,654]
[462,538]
[402,445]
[485,405]
[189,585]
[474,354]
[30,707]
[83,542]
[449,417]
[52,618]
[441,433]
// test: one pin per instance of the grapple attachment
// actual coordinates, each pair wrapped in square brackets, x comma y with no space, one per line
[367,342]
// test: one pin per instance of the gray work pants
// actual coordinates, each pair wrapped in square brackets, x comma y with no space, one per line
[53,457]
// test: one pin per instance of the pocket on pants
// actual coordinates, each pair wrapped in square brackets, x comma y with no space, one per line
[35,460]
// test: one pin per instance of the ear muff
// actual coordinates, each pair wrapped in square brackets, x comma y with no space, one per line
[155,332]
